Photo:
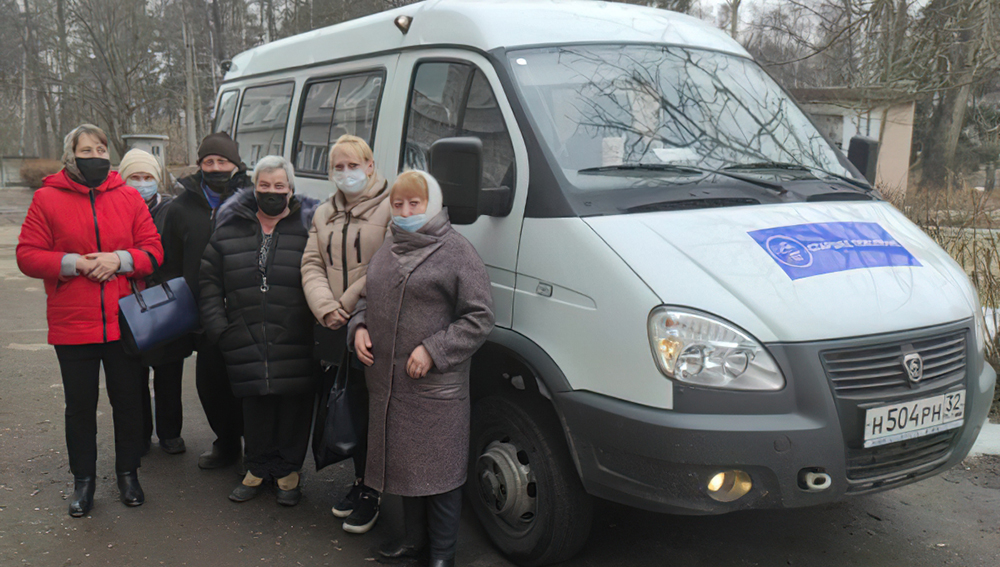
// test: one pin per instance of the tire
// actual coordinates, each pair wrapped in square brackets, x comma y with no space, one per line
[522,483]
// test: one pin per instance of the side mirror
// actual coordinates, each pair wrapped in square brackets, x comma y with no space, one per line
[457,164]
[863,153]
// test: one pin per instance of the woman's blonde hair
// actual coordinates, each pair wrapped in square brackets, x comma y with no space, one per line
[409,184]
[354,145]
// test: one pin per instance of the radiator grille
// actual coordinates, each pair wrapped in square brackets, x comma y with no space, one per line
[875,467]
[878,369]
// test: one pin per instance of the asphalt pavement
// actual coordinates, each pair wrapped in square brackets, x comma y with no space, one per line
[952,519]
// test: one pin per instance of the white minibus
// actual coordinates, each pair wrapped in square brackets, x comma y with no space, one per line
[702,306]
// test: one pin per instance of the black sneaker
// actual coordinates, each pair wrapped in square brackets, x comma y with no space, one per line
[365,513]
[346,505]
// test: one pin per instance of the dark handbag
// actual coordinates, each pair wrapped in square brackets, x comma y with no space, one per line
[334,434]
[157,314]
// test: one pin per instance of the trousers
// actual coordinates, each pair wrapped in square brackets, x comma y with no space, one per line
[276,433]
[80,367]
[223,410]
[439,515]
[167,392]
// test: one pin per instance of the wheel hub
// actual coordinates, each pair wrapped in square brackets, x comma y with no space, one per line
[504,483]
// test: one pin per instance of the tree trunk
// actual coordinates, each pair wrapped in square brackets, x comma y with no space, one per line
[219,38]
[949,114]
[189,111]
[64,90]
[734,17]
[31,47]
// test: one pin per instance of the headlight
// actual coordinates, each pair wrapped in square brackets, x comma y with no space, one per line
[697,349]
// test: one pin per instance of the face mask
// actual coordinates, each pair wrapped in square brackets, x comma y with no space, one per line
[351,181]
[94,170]
[271,204]
[411,223]
[145,188]
[217,181]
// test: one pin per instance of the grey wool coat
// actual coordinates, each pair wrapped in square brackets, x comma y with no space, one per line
[427,287]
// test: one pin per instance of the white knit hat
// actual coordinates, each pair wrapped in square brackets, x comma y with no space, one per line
[139,161]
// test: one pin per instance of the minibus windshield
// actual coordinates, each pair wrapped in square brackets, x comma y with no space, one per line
[613,112]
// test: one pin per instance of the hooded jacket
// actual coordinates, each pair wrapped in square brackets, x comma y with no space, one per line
[66,217]
[263,327]
[188,225]
[343,238]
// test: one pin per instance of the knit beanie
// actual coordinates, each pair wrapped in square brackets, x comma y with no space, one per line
[220,144]
[139,161]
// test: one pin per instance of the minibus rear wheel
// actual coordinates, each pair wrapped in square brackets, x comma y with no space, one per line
[522,482]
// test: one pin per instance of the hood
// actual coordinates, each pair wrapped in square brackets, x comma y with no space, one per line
[795,272]
[62,180]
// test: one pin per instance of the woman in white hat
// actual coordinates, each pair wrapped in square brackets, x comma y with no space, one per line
[142,171]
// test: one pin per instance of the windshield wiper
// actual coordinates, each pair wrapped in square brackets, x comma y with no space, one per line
[798,167]
[685,169]
[641,166]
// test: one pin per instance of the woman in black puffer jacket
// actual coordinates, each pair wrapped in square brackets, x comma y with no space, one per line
[252,303]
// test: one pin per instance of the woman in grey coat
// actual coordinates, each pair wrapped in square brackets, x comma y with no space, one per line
[428,310]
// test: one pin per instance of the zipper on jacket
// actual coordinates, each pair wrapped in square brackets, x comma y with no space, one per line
[343,248]
[357,245]
[97,234]
[264,288]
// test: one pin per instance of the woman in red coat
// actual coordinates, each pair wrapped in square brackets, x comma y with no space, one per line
[86,233]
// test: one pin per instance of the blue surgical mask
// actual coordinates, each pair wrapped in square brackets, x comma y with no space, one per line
[411,223]
[145,188]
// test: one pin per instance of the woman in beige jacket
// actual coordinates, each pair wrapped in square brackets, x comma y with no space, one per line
[346,232]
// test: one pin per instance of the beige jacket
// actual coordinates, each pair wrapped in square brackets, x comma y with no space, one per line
[343,238]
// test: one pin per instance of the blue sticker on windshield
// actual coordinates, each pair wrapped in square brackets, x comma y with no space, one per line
[805,250]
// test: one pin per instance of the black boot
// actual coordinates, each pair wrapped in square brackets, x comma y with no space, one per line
[83,496]
[414,542]
[129,489]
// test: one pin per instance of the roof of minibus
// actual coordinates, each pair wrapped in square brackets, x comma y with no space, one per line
[485,25]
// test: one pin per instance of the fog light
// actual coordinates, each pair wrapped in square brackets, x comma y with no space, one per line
[729,486]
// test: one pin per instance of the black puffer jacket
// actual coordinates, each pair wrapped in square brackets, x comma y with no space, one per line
[266,337]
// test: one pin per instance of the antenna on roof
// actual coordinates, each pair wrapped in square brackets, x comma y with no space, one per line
[403,23]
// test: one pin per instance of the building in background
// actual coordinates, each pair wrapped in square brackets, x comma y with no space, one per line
[841,113]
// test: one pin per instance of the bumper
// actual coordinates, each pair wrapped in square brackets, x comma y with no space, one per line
[661,460]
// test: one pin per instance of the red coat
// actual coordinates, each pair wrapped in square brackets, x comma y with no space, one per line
[66,217]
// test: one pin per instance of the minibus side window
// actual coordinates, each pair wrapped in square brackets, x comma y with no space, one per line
[262,121]
[225,112]
[455,99]
[333,108]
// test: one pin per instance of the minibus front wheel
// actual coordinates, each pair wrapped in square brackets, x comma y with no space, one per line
[522,483]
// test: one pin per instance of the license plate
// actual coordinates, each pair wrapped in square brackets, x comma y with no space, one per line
[898,422]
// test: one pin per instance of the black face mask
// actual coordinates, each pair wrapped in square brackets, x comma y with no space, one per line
[271,204]
[217,181]
[94,170]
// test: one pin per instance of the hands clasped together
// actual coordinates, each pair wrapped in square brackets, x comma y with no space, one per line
[99,266]
[417,366]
